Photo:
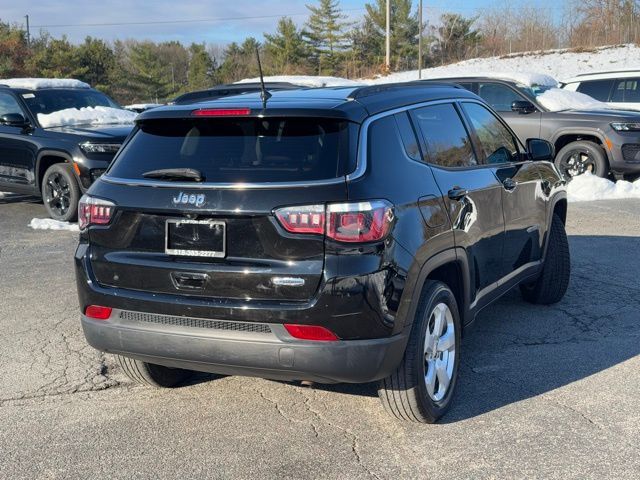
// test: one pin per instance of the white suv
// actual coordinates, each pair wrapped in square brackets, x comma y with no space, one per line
[619,89]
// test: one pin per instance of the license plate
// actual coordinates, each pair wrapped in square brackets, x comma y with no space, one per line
[195,238]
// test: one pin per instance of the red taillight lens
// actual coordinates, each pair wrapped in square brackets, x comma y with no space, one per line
[310,332]
[359,222]
[94,211]
[221,112]
[97,312]
[344,222]
[305,219]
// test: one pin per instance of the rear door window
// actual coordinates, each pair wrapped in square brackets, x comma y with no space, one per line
[446,138]
[627,90]
[239,150]
[598,89]
[499,145]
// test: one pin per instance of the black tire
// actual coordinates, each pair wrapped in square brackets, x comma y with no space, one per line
[60,192]
[152,375]
[587,156]
[404,393]
[553,282]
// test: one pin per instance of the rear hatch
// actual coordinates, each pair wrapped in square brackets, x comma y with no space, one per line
[195,201]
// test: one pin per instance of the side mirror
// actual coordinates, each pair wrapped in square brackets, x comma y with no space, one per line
[13,120]
[539,149]
[522,106]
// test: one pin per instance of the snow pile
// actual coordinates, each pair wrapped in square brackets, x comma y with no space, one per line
[306,81]
[557,99]
[35,83]
[51,224]
[86,116]
[560,64]
[587,187]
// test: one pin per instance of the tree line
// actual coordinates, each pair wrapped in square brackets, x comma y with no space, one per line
[329,43]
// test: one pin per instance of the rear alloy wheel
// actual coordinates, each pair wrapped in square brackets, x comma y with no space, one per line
[152,375]
[421,388]
[580,157]
[60,192]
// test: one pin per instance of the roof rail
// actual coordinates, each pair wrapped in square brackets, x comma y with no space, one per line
[630,70]
[360,92]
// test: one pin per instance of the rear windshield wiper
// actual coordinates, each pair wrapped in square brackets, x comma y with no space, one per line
[175,174]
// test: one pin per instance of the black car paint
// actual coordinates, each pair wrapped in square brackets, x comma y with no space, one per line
[360,292]
[26,152]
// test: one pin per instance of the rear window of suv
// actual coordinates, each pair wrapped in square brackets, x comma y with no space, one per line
[239,150]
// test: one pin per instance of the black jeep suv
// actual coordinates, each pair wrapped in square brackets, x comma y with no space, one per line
[59,159]
[335,235]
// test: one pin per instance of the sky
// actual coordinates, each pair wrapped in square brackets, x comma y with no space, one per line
[211,21]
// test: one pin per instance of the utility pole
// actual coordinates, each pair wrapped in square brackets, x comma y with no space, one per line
[420,40]
[388,40]
[28,32]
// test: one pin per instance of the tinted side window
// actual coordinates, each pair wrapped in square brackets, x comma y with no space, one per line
[627,90]
[500,97]
[498,143]
[8,104]
[448,143]
[408,136]
[598,89]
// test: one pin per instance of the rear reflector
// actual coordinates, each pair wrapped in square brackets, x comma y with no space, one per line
[310,332]
[221,112]
[97,312]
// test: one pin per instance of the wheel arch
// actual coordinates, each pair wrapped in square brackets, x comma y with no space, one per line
[45,159]
[450,267]
[563,138]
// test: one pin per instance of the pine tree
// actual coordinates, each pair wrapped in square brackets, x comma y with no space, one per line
[404,32]
[201,68]
[455,38]
[97,59]
[285,50]
[325,34]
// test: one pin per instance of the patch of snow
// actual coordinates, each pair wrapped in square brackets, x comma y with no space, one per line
[557,99]
[588,187]
[36,83]
[51,224]
[86,116]
[306,80]
[143,106]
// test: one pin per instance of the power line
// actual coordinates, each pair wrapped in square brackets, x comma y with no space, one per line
[166,22]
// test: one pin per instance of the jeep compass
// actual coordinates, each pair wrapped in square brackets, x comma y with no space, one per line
[327,235]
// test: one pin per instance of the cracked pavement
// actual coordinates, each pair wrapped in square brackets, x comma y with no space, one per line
[543,392]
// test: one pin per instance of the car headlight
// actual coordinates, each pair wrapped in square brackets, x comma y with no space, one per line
[89,147]
[626,126]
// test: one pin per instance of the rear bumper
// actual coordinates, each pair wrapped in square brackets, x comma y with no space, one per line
[235,349]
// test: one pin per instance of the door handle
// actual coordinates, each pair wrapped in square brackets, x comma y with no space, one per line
[457,193]
[509,184]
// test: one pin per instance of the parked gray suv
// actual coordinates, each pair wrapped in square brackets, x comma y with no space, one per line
[604,142]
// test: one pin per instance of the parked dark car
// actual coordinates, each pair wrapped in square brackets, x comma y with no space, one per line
[337,235]
[230,89]
[602,142]
[58,162]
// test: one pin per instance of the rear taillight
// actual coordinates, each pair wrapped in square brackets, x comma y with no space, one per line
[357,222]
[94,211]
[221,112]
[98,312]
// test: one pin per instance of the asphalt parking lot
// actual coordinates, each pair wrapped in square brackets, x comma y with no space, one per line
[544,392]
